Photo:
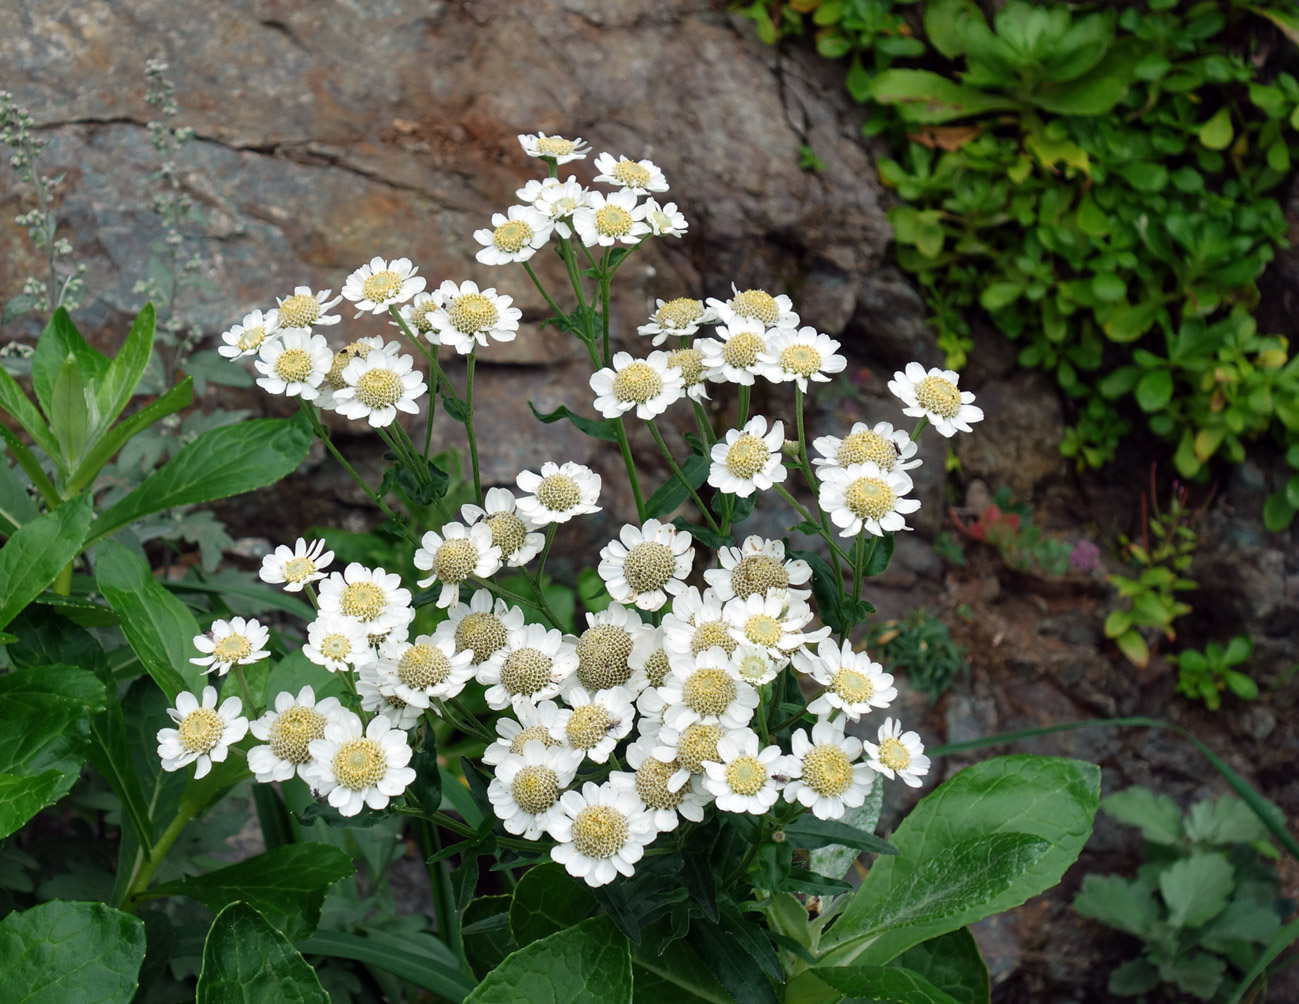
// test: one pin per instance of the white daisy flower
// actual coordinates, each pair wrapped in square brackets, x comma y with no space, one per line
[376,285]
[236,642]
[425,670]
[640,177]
[376,686]
[773,621]
[467,316]
[454,556]
[516,235]
[594,723]
[558,493]
[555,148]
[898,754]
[737,355]
[525,791]
[692,747]
[756,306]
[825,779]
[647,564]
[666,789]
[755,665]
[556,199]
[710,692]
[864,497]
[649,661]
[745,778]
[287,731]
[801,356]
[677,318]
[246,337]
[418,316]
[892,449]
[603,833]
[481,627]
[204,732]
[756,566]
[690,361]
[378,386]
[534,724]
[615,642]
[305,309]
[693,626]
[854,683]
[353,768]
[665,220]
[302,565]
[647,385]
[337,642]
[293,364]
[748,459]
[607,219]
[518,539]
[334,379]
[532,666]
[373,596]
[935,395]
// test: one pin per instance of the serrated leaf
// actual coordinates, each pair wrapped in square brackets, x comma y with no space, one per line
[60,952]
[1121,903]
[1225,820]
[1157,815]
[38,551]
[247,961]
[1196,888]
[589,963]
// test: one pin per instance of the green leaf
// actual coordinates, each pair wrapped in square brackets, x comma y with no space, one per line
[734,968]
[103,450]
[59,953]
[922,96]
[1092,220]
[952,963]
[809,832]
[485,933]
[1196,888]
[380,952]
[1284,939]
[1108,287]
[1278,513]
[1155,390]
[1043,808]
[1121,903]
[673,493]
[1136,976]
[17,306]
[921,228]
[17,404]
[126,368]
[946,24]
[1144,176]
[1216,134]
[1194,973]
[603,428]
[676,975]
[883,983]
[1225,820]
[247,961]
[1158,816]
[286,885]
[158,627]
[224,461]
[59,340]
[22,796]
[858,81]
[589,963]
[834,860]
[37,551]
[548,900]
[70,418]
[1134,648]
[997,295]
[16,506]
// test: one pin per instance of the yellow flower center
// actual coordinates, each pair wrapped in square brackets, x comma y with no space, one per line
[827,770]
[602,653]
[741,349]
[291,733]
[691,364]
[756,573]
[473,312]
[360,764]
[200,730]
[869,497]
[301,310]
[378,388]
[512,236]
[293,365]
[525,671]
[852,686]
[455,560]
[422,666]
[708,691]
[698,743]
[759,305]
[652,784]
[419,315]
[657,667]
[939,395]
[363,600]
[746,775]
[683,312]
[631,174]
[588,725]
[382,286]
[747,456]
[599,831]
[637,382]
[299,569]
[558,493]
[232,648]
[508,532]
[865,445]
[555,146]
[535,733]
[710,633]
[481,633]
[894,755]
[535,788]
[803,360]
[649,566]
[341,358]
[763,629]
[613,221]
[753,667]
[335,647]
[250,339]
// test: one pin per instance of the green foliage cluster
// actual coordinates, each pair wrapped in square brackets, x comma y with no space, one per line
[1205,675]
[1100,179]
[921,646]
[1206,899]
[1008,526]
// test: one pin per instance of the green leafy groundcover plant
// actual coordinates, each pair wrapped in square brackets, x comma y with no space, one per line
[648,806]
[1100,179]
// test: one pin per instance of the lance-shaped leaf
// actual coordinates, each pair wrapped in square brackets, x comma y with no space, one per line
[37,551]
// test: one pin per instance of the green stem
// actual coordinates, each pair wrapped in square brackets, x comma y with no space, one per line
[559,314]
[439,880]
[63,581]
[431,357]
[859,571]
[148,864]
[835,550]
[604,305]
[469,422]
[810,477]
[245,692]
[621,432]
[743,414]
[539,602]
[920,427]
[324,437]
[706,434]
[680,476]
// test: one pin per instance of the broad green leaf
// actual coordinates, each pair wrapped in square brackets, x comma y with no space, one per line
[286,885]
[1121,903]
[1144,176]
[16,506]
[247,961]
[1225,820]
[677,975]
[945,23]
[224,461]
[1196,888]
[34,555]
[883,983]
[1134,648]
[22,796]
[1136,976]
[1020,797]
[17,404]
[1197,973]
[70,418]
[921,228]
[1217,132]
[62,952]
[59,340]
[379,952]
[485,933]
[1157,815]
[735,968]
[159,627]
[547,899]
[1155,390]
[922,96]
[997,295]
[834,860]
[1092,220]
[126,368]
[952,963]
[104,449]
[586,964]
